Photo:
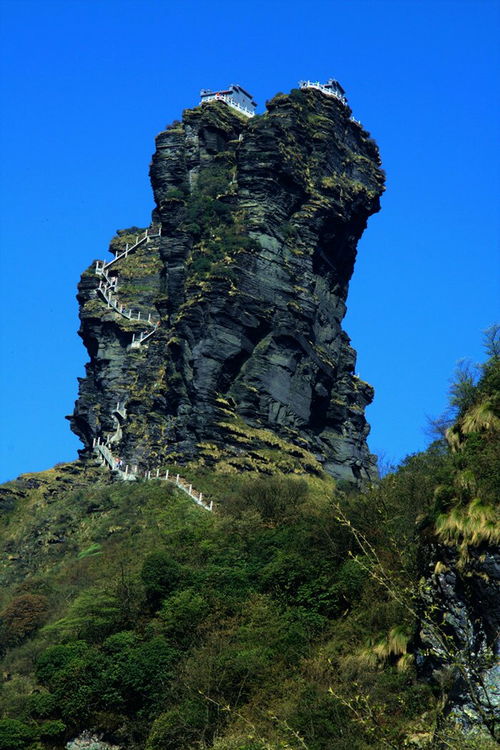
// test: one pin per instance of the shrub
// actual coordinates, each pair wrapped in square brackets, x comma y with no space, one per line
[23,616]
[75,674]
[200,265]
[56,659]
[160,575]
[178,727]
[135,675]
[15,735]
[92,616]
[277,499]
[40,704]
[175,193]
[52,729]
[181,614]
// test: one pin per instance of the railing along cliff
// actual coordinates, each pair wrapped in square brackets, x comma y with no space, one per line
[321,87]
[131,473]
[230,101]
[109,284]
[328,91]
[106,289]
[101,265]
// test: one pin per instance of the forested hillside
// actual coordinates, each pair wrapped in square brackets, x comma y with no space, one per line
[300,614]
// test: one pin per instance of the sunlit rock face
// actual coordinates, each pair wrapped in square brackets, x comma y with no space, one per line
[259,220]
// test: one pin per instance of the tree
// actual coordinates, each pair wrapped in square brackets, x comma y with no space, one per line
[492,341]
[92,616]
[15,735]
[22,616]
[463,386]
[160,575]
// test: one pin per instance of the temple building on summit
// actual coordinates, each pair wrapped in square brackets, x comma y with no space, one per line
[235,96]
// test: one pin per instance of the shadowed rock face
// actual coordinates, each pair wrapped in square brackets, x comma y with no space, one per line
[260,220]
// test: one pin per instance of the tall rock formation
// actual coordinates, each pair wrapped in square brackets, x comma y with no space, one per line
[249,364]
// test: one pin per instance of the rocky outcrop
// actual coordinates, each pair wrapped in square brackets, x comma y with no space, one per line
[458,645]
[89,741]
[259,219]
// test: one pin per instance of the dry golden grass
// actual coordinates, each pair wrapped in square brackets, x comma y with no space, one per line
[480,417]
[469,525]
[377,653]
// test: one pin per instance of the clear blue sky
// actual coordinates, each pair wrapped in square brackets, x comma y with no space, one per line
[85,87]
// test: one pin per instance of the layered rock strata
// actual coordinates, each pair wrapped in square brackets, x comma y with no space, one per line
[259,219]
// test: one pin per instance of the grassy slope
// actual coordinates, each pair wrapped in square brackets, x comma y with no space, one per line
[271,602]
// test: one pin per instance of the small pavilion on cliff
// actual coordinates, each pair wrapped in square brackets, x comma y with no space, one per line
[235,96]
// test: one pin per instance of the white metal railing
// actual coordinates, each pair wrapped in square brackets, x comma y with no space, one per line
[229,100]
[101,265]
[111,281]
[326,90]
[140,338]
[106,293]
[120,409]
[131,473]
[181,483]
[102,448]
[323,88]
[108,285]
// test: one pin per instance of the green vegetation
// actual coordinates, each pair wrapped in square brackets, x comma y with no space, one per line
[284,621]
[466,507]
[219,234]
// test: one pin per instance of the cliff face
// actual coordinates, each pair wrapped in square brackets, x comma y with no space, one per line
[458,643]
[259,224]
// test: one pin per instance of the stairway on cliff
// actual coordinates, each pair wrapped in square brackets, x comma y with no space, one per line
[109,284]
